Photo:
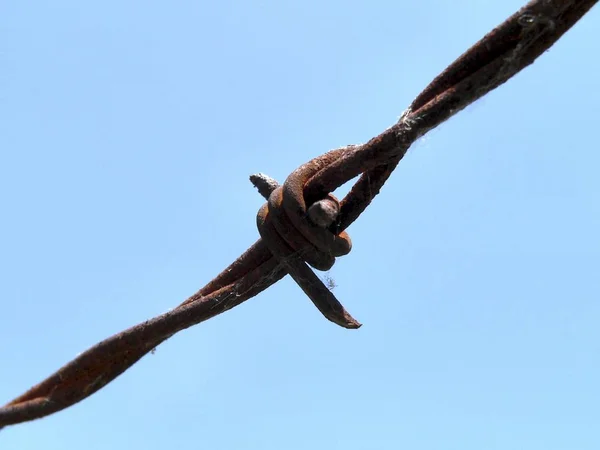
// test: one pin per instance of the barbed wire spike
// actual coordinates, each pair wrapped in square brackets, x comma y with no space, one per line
[292,246]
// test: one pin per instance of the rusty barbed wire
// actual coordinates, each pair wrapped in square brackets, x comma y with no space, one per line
[294,234]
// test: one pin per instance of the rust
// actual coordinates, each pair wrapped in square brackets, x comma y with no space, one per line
[289,240]
[502,53]
[284,225]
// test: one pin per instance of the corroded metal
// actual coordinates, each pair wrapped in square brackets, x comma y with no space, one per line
[289,240]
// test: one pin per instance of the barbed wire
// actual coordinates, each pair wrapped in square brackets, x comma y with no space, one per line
[302,223]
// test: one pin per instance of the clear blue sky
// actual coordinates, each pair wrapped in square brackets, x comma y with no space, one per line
[128,131]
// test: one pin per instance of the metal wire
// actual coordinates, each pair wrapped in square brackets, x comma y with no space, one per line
[289,240]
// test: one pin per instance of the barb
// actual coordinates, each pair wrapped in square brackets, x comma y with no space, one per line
[288,239]
[284,225]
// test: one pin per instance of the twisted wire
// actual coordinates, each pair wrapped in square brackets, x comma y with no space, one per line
[302,224]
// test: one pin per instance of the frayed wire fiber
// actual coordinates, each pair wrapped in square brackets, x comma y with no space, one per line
[291,241]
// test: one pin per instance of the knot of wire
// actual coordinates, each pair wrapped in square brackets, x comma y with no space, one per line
[299,236]
[302,222]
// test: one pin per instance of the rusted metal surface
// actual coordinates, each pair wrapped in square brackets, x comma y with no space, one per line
[290,241]
[284,225]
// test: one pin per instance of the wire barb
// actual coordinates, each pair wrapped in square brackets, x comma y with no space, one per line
[288,237]
[284,225]
[293,245]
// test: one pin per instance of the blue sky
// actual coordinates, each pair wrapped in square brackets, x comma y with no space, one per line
[128,131]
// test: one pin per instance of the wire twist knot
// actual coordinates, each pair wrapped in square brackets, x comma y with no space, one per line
[297,235]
